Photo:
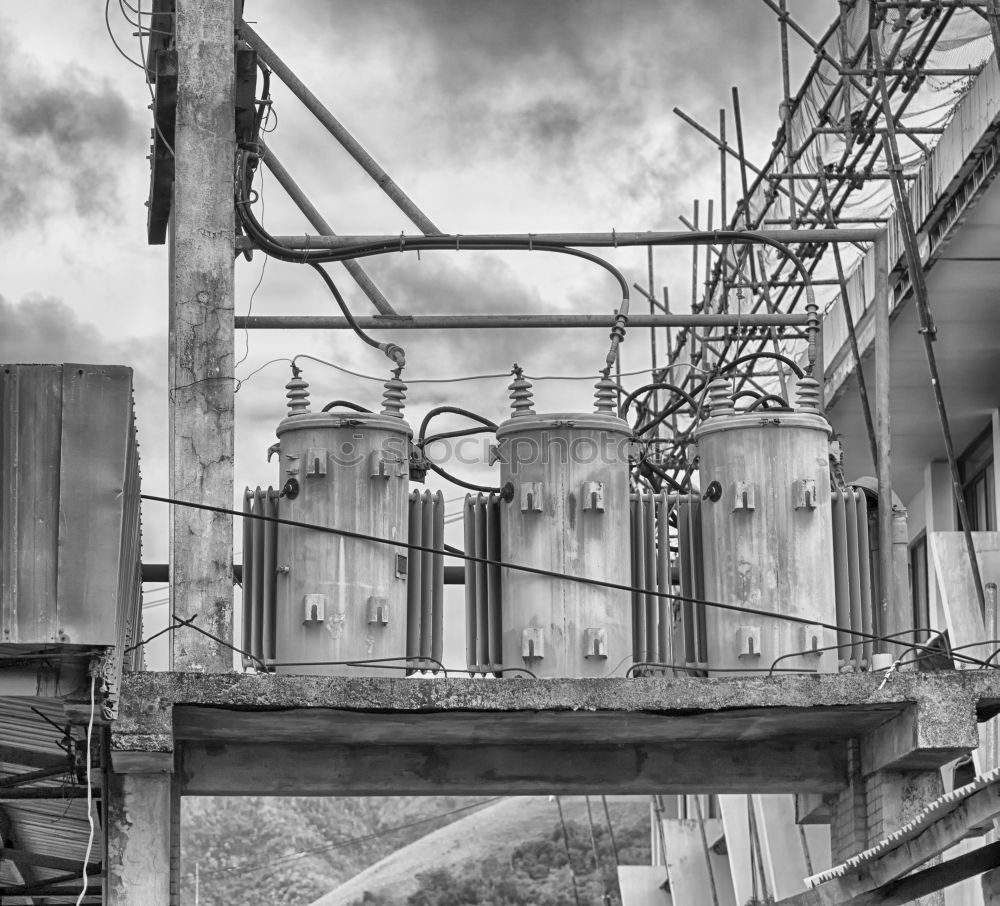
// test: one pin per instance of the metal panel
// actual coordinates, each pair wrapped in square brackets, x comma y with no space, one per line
[484,628]
[864,571]
[840,576]
[698,875]
[95,428]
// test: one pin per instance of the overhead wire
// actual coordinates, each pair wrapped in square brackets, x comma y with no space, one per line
[520,567]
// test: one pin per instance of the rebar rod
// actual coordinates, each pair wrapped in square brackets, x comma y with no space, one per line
[360,275]
[338,131]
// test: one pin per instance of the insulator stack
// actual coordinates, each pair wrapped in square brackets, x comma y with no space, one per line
[522,398]
[298,395]
[606,397]
[394,397]
[720,398]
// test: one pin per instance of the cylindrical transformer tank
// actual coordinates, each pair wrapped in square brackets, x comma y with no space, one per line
[567,480]
[340,598]
[767,534]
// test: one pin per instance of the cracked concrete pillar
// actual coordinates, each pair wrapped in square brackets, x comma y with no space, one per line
[139,840]
[893,799]
[201,334]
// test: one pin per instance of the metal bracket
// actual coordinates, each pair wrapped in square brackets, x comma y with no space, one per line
[596,643]
[402,566]
[748,641]
[813,640]
[378,611]
[804,494]
[386,467]
[593,497]
[274,448]
[316,461]
[531,497]
[532,643]
[743,496]
[315,608]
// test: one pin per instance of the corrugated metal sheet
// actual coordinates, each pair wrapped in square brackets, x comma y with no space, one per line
[45,827]
[69,514]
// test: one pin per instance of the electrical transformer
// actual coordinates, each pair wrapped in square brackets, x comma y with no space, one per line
[340,598]
[565,510]
[767,534]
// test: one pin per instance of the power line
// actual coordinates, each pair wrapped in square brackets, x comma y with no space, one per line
[551,574]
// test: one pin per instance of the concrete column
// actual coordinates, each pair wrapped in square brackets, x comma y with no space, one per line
[893,799]
[201,333]
[991,888]
[139,838]
[848,826]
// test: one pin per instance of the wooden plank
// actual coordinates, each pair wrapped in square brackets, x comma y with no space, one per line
[96,414]
[698,875]
[643,885]
[31,758]
[264,769]
[22,857]
[201,333]
[31,510]
[944,833]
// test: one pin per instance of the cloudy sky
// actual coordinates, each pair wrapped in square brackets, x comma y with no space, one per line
[510,116]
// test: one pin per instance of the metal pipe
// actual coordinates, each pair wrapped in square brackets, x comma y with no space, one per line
[588,240]
[338,131]
[352,267]
[883,434]
[462,322]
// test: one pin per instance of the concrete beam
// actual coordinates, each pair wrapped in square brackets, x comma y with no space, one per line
[923,737]
[262,769]
[201,332]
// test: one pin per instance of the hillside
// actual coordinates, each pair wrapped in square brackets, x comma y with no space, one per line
[511,852]
[289,851]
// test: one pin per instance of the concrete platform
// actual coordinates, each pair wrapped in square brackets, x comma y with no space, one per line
[231,734]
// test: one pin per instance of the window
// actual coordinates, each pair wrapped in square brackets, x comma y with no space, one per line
[918,582]
[975,467]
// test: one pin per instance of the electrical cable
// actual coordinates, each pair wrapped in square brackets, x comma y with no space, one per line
[118,47]
[533,570]
[569,854]
[451,410]
[474,377]
[90,791]
[345,404]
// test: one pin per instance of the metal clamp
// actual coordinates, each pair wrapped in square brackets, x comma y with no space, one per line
[532,643]
[315,608]
[378,611]
[743,496]
[593,497]
[804,494]
[386,467]
[748,641]
[531,497]
[595,643]
[813,640]
[316,461]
